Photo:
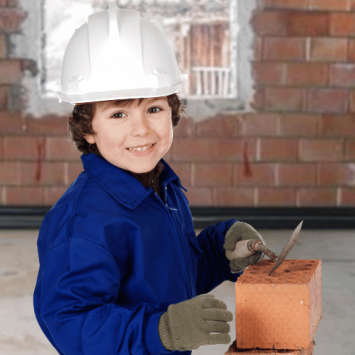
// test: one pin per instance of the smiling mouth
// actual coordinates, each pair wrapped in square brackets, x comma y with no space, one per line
[141,149]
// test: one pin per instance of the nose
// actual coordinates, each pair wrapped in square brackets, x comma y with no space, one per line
[140,125]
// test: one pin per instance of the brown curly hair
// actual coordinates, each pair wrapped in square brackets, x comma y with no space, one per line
[80,121]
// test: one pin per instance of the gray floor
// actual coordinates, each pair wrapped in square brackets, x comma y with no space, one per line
[20,334]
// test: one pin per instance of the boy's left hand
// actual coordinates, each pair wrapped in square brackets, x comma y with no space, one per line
[237,232]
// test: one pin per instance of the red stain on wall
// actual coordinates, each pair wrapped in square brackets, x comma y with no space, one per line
[40,150]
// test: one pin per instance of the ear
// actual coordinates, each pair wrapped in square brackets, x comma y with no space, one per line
[90,138]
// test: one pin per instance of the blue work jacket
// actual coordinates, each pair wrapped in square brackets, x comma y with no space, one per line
[113,256]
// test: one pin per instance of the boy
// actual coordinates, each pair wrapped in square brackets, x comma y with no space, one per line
[121,270]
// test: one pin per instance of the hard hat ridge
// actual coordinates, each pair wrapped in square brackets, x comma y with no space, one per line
[118,55]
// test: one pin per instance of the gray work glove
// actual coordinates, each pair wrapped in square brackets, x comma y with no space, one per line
[188,325]
[237,232]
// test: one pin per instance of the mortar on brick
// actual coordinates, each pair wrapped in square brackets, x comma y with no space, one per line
[281,311]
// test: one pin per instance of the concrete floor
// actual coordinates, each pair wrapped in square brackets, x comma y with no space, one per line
[21,335]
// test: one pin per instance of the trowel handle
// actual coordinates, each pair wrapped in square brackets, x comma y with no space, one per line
[246,248]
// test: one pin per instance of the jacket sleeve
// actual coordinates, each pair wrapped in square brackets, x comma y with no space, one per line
[80,281]
[213,266]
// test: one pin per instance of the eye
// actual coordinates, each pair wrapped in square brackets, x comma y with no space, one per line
[154,109]
[118,115]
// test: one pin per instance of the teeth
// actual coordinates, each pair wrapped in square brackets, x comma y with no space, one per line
[141,149]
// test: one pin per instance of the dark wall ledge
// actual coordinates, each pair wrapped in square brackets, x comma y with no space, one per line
[30,217]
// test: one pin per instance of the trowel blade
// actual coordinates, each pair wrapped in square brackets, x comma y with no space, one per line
[287,248]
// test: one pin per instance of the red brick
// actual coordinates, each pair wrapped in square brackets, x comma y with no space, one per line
[11,123]
[270,23]
[269,196]
[284,99]
[3,3]
[12,3]
[291,306]
[258,174]
[336,174]
[199,196]
[351,54]
[317,197]
[3,51]
[234,351]
[342,75]
[42,173]
[331,5]
[220,126]
[328,49]
[299,124]
[260,124]
[198,149]
[11,20]
[278,149]
[338,125]
[321,149]
[257,48]
[352,101]
[73,169]
[349,153]
[309,24]
[297,174]
[212,174]
[10,71]
[61,149]
[288,4]
[233,196]
[258,101]
[328,100]
[306,74]
[268,73]
[10,173]
[290,48]
[186,128]
[53,194]
[347,197]
[4,94]
[48,125]
[24,148]
[183,171]
[342,24]
[235,150]
[26,196]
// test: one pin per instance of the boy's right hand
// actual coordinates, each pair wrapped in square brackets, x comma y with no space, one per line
[188,325]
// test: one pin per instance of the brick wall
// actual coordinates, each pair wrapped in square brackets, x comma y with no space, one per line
[297,149]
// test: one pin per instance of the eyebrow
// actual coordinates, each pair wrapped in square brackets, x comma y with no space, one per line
[122,103]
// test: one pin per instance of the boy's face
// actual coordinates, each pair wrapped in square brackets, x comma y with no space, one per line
[119,127]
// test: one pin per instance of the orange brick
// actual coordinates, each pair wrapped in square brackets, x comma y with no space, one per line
[328,49]
[338,125]
[347,197]
[261,124]
[233,196]
[321,149]
[342,75]
[23,148]
[186,128]
[234,351]
[299,124]
[27,196]
[330,5]
[270,196]
[306,74]
[289,4]
[342,24]
[212,174]
[290,48]
[254,174]
[284,99]
[278,149]
[327,100]
[11,19]
[281,311]
[296,174]
[334,174]
[349,153]
[268,73]
[317,197]
[198,149]
[199,196]
[10,71]
[232,150]
[61,148]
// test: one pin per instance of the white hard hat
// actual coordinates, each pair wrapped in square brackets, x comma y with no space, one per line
[117,55]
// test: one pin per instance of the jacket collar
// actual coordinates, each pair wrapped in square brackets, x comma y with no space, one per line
[122,186]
